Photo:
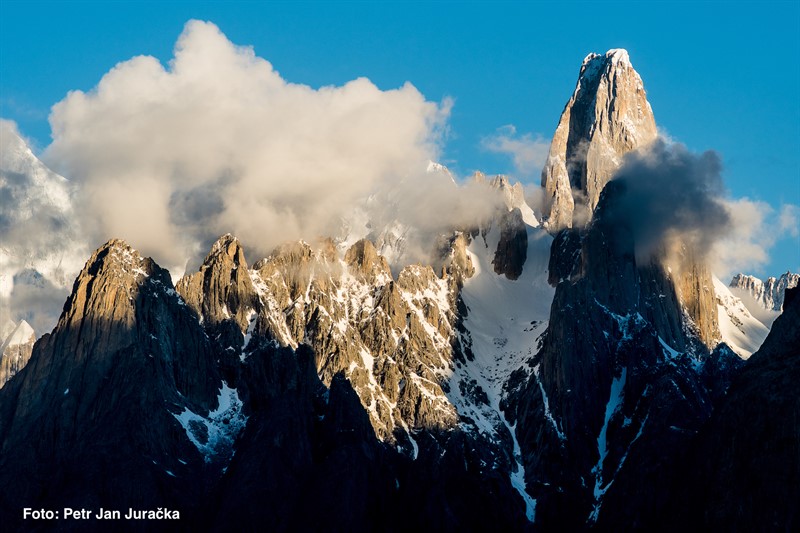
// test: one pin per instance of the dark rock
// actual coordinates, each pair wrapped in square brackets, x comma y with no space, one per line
[743,472]
[512,249]
[565,254]
[616,395]
[89,422]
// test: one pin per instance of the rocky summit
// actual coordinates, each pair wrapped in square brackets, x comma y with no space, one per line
[768,293]
[527,377]
[607,116]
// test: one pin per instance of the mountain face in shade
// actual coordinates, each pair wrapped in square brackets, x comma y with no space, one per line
[624,378]
[91,419]
[607,116]
[524,379]
[743,472]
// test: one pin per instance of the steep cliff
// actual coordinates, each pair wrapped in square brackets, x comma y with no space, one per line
[116,406]
[607,116]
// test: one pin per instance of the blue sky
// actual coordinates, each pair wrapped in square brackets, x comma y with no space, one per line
[719,75]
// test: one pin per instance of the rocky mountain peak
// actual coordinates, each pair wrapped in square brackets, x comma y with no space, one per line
[613,56]
[126,354]
[226,246]
[767,294]
[222,290]
[110,282]
[607,116]
[363,259]
[513,195]
[114,255]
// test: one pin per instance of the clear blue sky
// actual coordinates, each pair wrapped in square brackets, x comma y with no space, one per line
[719,75]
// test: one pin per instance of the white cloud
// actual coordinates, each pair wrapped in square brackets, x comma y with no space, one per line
[170,158]
[40,245]
[527,152]
[789,220]
[756,227]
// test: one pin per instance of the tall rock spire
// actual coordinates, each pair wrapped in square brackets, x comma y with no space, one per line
[607,116]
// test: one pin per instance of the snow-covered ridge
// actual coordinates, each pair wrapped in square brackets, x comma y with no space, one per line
[513,195]
[438,168]
[594,63]
[618,55]
[740,330]
[763,298]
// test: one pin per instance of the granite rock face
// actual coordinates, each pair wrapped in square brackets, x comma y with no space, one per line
[623,380]
[512,249]
[607,116]
[695,289]
[95,416]
[222,290]
[311,364]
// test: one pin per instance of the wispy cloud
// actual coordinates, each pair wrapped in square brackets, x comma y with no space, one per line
[755,229]
[527,152]
[789,220]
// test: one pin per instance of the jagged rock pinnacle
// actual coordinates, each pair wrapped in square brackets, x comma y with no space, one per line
[607,116]
[222,290]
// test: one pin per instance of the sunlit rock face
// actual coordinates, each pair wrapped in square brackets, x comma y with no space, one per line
[607,116]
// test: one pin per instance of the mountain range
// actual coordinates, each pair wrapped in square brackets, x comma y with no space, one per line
[574,366]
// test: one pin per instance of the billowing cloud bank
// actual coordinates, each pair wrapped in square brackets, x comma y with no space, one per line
[170,158]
